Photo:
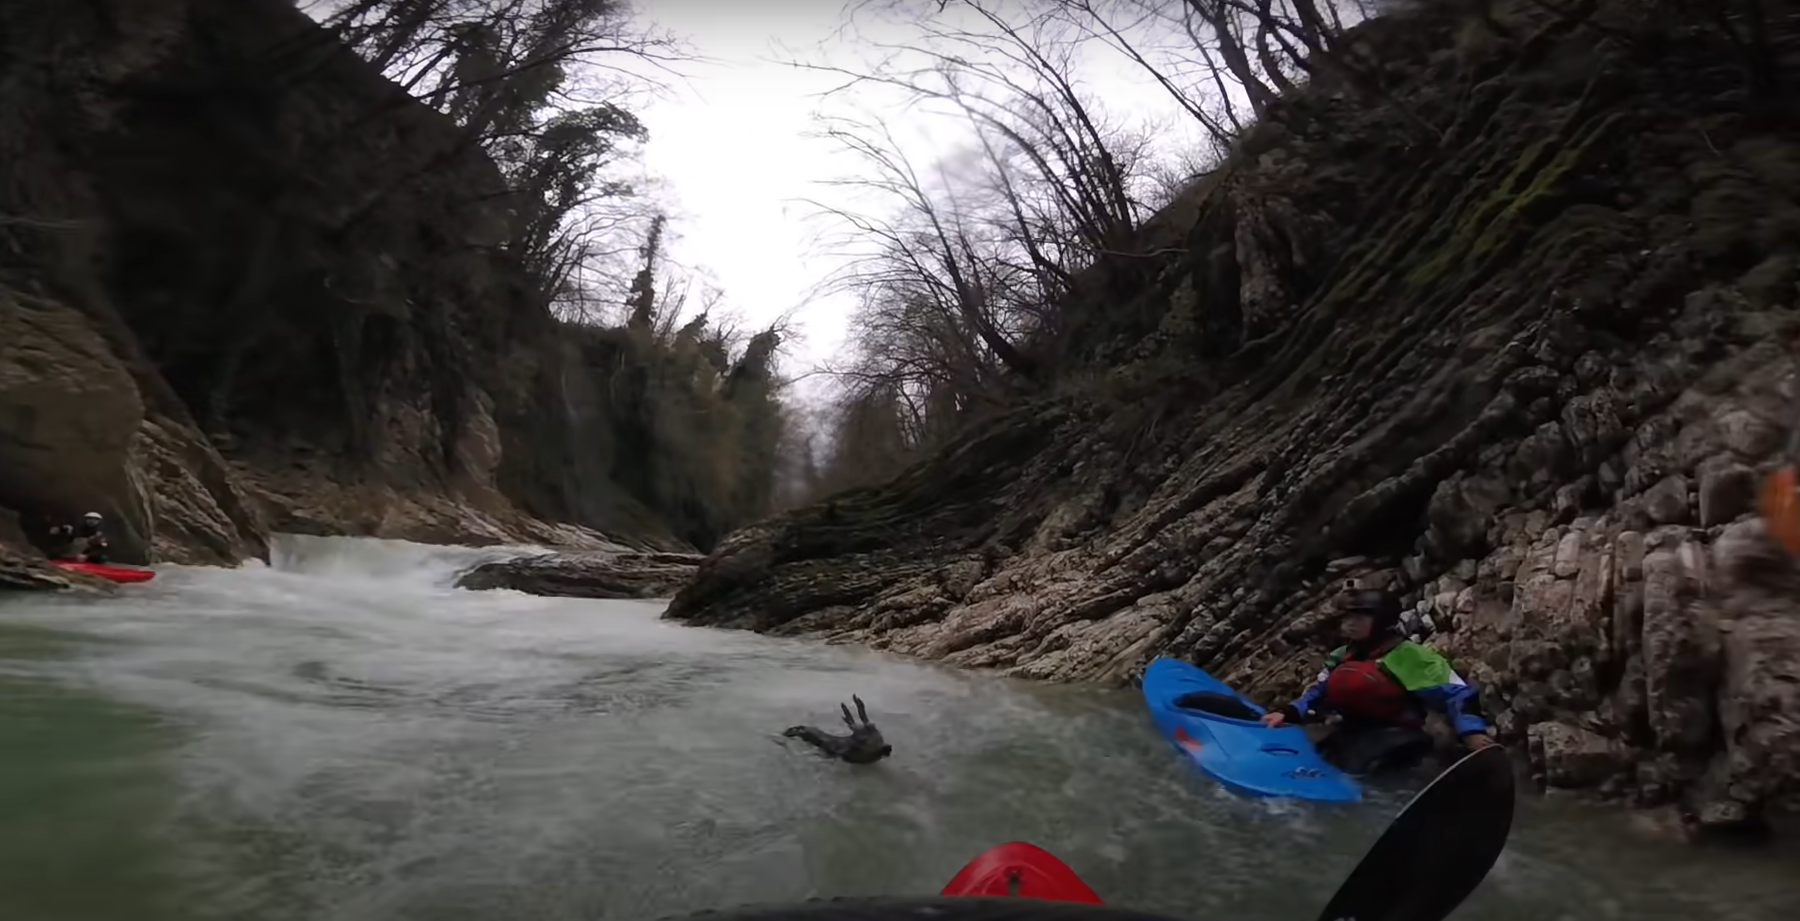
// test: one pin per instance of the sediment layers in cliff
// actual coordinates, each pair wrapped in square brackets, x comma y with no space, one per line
[1527,372]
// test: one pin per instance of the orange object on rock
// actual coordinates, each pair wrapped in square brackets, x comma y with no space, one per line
[1780,508]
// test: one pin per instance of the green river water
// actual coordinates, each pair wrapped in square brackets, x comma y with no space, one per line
[343,737]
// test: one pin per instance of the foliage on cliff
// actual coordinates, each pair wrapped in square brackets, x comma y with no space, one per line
[536,86]
[684,431]
[693,409]
[248,281]
[1021,264]
[659,428]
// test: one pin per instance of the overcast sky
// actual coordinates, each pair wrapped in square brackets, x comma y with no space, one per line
[731,142]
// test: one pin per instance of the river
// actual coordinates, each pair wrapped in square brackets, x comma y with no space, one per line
[343,737]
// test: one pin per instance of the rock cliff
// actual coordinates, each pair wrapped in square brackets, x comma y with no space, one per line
[246,283]
[1527,371]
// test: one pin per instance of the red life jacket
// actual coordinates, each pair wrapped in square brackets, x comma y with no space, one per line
[1361,689]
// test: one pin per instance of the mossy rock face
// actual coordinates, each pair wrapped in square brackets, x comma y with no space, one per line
[1513,359]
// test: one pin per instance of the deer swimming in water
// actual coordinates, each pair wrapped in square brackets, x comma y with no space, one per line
[864,744]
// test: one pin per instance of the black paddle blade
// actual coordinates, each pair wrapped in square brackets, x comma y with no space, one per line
[1439,848]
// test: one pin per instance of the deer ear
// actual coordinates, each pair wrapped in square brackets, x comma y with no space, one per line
[847,720]
[860,709]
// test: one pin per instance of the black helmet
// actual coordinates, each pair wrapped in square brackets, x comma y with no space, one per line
[1382,605]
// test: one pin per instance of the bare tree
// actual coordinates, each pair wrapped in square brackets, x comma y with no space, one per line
[869,439]
[961,268]
[1198,86]
[494,63]
[926,278]
[1228,62]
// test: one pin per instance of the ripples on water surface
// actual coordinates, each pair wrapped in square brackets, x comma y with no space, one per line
[343,737]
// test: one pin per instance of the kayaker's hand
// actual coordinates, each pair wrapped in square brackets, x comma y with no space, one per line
[1478,741]
[1273,718]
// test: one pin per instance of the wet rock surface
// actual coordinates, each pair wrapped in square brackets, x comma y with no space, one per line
[596,574]
[1528,395]
[24,572]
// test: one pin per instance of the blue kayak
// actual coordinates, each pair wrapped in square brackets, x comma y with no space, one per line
[1218,729]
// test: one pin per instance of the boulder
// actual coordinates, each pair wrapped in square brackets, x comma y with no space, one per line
[1759,692]
[587,575]
[1748,435]
[196,510]
[1680,648]
[1573,757]
[1727,490]
[69,413]
[1667,501]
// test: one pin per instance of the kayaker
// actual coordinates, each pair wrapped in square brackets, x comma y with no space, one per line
[1381,685]
[864,744]
[85,542]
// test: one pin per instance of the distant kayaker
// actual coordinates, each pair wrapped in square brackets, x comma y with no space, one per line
[1381,684]
[864,744]
[85,542]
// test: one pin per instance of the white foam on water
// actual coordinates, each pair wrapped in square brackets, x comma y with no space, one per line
[358,739]
[389,562]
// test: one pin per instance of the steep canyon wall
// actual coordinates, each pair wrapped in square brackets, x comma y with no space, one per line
[247,283]
[1526,368]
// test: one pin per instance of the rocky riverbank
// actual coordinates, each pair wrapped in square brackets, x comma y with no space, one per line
[19,572]
[587,575]
[1528,374]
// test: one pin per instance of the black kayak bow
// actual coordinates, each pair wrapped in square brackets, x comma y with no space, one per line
[1437,850]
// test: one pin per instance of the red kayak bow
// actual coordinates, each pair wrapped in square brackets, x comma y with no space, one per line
[114,573]
[1021,870]
[1430,858]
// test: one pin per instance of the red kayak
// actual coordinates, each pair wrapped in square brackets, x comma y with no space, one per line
[115,573]
[1023,871]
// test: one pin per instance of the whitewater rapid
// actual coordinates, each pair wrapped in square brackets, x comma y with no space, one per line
[343,736]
